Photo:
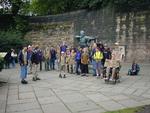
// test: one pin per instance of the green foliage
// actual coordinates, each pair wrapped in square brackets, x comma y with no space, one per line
[21,24]
[16,5]
[128,110]
[47,7]
[44,7]
[25,8]
[11,39]
[128,5]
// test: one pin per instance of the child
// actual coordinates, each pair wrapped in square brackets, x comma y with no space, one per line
[67,59]
[84,62]
[62,62]
[98,56]
[134,69]
[78,61]
[72,61]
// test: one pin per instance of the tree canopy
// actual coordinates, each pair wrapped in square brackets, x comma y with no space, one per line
[47,7]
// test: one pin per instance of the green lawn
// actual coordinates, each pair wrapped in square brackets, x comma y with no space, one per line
[129,110]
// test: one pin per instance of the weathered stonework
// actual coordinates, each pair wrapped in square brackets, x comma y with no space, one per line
[130,29]
[51,34]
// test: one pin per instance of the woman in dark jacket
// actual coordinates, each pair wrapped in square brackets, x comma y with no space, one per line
[22,58]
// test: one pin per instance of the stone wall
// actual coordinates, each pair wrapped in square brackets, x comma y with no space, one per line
[51,34]
[131,29]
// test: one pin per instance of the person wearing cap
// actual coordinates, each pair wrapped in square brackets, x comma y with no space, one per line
[62,62]
[29,54]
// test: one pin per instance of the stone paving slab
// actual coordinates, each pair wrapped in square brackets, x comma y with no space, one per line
[111,105]
[75,97]
[48,100]
[21,107]
[30,111]
[82,106]
[55,108]
[74,94]
[100,110]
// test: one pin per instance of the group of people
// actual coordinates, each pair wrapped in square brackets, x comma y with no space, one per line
[10,59]
[29,58]
[70,60]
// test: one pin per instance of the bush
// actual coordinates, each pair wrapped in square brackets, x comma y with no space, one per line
[11,39]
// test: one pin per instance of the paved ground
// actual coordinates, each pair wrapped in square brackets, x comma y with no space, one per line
[73,94]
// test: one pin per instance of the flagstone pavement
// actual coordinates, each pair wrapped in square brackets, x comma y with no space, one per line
[74,94]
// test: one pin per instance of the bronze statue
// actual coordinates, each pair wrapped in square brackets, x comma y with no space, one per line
[84,40]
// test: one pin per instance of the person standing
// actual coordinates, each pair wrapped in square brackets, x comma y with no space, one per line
[68,60]
[22,58]
[78,61]
[63,47]
[84,62]
[52,58]
[94,46]
[7,59]
[98,56]
[106,58]
[35,60]
[29,54]
[62,62]
[72,61]
[40,54]
[13,57]
[46,58]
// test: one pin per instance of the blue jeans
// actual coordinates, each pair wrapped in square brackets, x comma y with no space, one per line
[23,72]
[94,69]
[13,63]
[52,63]
[78,65]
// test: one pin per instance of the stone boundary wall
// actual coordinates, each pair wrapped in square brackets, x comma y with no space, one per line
[131,29]
[50,34]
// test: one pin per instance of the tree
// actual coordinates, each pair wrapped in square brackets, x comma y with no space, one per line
[48,7]
[14,6]
[11,39]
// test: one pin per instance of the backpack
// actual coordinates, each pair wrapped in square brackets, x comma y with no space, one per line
[35,57]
